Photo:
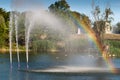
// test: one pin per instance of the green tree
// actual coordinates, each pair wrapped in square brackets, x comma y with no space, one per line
[96,13]
[108,12]
[100,21]
[59,6]
[117,28]
[3,30]
[99,28]
[61,9]
[4,24]
[4,14]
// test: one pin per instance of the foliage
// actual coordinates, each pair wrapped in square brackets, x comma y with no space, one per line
[77,45]
[3,31]
[4,14]
[4,24]
[108,12]
[117,29]
[59,7]
[114,47]
[4,28]
[42,45]
[96,13]
[100,21]
[62,10]
[71,18]
[99,29]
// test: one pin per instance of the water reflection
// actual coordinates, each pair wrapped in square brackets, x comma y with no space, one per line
[37,76]
[10,74]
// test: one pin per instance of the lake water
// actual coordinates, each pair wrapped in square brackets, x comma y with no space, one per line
[47,60]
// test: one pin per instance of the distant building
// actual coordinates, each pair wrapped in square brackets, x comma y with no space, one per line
[79,31]
[107,27]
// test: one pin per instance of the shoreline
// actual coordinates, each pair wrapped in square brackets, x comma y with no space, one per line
[13,50]
[3,50]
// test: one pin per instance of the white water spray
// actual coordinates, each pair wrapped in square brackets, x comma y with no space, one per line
[27,38]
[16,33]
[10,37]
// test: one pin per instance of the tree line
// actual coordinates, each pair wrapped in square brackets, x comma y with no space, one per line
[4,27]
[62,9]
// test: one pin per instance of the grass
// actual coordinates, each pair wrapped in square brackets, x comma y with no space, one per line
[114,41]
[114,47]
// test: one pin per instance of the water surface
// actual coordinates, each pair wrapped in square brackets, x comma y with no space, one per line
[47,60]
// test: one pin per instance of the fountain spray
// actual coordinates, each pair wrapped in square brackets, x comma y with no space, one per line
[10,37]
[16,32]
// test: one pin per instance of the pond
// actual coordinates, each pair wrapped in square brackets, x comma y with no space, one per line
[48,60]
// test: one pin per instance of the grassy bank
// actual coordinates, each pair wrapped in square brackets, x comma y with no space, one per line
[114,42]
[6,49]
[13,50]
[112,39]
[114,47]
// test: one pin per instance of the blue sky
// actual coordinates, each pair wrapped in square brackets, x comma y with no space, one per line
[5,4]
[82,6]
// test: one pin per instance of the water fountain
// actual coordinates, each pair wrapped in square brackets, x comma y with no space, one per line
[10,37]
[36,18]
[71,41]
[17,45]
[32,19]
[13,19]
[27,38]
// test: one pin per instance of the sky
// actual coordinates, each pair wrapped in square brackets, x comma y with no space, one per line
[82,6]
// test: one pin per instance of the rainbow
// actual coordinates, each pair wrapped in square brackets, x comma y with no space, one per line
[96,41]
